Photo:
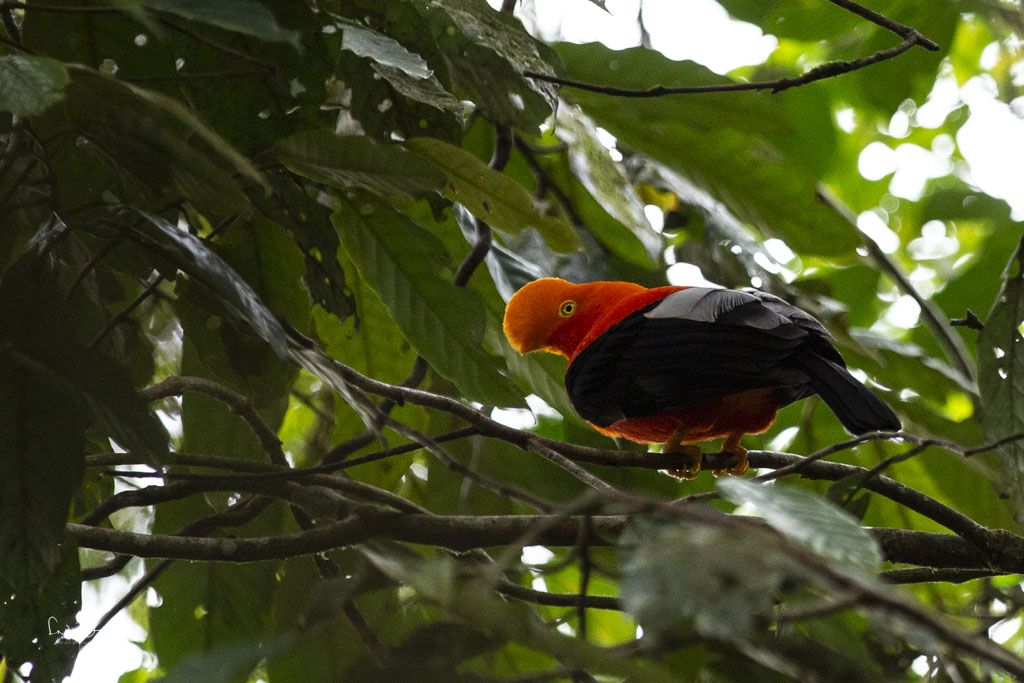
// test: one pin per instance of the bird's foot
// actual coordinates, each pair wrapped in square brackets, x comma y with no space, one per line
[739,468]
[691,472]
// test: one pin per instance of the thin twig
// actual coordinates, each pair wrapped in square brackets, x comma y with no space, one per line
[820,609]
[512,590]
[124,315]
[829,70]
[934,317]
[935,574]
[239,404]
[59,9]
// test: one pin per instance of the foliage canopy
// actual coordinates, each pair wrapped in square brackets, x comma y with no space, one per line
[253,261]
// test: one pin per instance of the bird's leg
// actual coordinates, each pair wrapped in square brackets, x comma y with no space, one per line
[675,445]
[732,445]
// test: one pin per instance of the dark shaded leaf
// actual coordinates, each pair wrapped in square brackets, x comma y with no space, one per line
[403,264]
[1001,377]
[199,261]
[493,197]
[36,341]
[30,84]
[243,16]
[40,466]
[34,617]
[357,161]
[142,137]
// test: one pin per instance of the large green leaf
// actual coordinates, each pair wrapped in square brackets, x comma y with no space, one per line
[677,578]
[40,466]
[147,139]
[243,16]
[347,161]
[802,19]
[809,520]
[382,49]
[493,197]
[37,340]
[740,147]
[34,617]
[484,53]
[228,663]
[30,84]
[1001,377]
[206,606]
[205,266]
[605,179]
[404,265]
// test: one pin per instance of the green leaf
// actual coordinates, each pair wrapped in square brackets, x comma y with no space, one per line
[793,18]
[356,342]
[228,663]
[403,265]
[357,161]
[714,580]
[308,223]
[34,617]
[29,84]
[241,16]
[36,340]
[205,606]
[438,581]
[382,49]
[809,520]
[605,179]
[147,139]
[492,197]
[740,147]
[199,261]
[1001,377]
[484,53]
[40,466]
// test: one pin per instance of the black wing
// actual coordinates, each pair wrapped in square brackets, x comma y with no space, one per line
[700,344]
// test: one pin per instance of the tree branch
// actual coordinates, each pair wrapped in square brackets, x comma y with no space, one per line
[466,532]
[910,36]
[239,404]
[936,320]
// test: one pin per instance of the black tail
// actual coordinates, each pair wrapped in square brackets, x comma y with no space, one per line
[856,407]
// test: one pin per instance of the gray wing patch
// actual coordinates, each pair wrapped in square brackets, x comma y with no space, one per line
[742,308]
[788,310]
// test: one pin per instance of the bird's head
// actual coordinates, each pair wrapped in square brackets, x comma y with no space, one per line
[553,315]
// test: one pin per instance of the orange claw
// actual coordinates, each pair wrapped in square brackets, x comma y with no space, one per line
[675,445]
[732,446]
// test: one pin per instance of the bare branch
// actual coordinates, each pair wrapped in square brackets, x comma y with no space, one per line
[910,36]
[934,317]
[239,404]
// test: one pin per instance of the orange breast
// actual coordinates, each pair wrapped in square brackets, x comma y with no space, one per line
[749,412]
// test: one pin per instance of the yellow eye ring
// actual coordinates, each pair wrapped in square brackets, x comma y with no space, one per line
[567,308]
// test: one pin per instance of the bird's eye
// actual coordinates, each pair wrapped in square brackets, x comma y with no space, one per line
[567,308]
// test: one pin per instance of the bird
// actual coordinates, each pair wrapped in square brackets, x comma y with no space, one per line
[678,365]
